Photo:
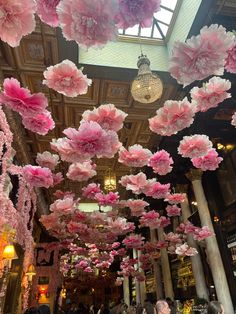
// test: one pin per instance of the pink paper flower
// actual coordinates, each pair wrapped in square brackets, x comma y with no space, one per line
[46,10]
[20,99]
[230,62]
[37,176]
[202,55]
[48,160]
[136,183]
[210,161]
[107,116]
[202,233]
[137,207]
[66,152]
[194,146]
[175,198]
[161,162]
[132,12]
[133,241]
[49,221]
[185,250]
[149,219]
[16,20]
[89,22]
[172,237]
[77,227]
[173,117]
[41,123]
[233,122]
[107,199]
[57,178]
[173,210]
[211,94]
[135,156]
[164,221]
[91,190]
[66,79]
[157,190]
[81,171]
[63,207]
[120,226]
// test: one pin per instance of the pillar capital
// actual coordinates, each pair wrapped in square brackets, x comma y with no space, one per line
[181,188]
[194,175]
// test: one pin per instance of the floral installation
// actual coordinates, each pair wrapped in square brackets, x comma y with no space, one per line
[137,206]
[66,79]
[133,241]
[175,198]
[46,10]
[41,123]
[47,160]
[135,156]
[173,117]
[194,146]
[81,171]
[136,183]
[210,161]
[157,190]
[230,61]
[161,162]
[107,199]
[57,178]
[107,116]
[173,210]
[185,250]
[38,176]
[202,233]
[91,190]
[211,94]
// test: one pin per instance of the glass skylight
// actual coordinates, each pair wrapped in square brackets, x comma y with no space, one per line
[160,26]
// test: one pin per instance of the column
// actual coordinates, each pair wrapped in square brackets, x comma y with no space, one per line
[197,267]
[126,292]
[142,284]
[157,269]
[212,249]
[137,286]
[165,265]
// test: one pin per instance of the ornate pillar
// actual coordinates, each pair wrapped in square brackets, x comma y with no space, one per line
[165,265]
[197,267]
[157,270]
[137,286]
[126,293]
[212,249]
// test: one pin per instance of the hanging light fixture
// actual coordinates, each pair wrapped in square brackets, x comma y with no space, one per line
[109,180]
[9,253]
[31,272]
[146,87]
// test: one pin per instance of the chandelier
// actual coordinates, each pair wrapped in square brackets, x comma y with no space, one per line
[109,180]
[146,87]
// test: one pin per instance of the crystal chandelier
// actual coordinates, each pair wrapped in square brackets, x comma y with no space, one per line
[109,181]
[146,87]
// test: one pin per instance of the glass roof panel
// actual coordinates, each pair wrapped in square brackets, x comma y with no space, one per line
[164,16]
[171,4]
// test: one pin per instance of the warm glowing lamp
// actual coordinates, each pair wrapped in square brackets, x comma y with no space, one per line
[109,181]
[31,272]
[9,253]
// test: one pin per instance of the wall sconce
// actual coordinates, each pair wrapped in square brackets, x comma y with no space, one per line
[9,254]
[31,272]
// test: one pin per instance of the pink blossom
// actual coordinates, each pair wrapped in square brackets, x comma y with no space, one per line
[77,227]
[41,123]
[135,156]
[132,12]
[210,161]
[173,117]
[16,20]
[88,270]
[37,176]
[137,206]
[48,160]
[173,210]
[189,228]
[161,244]
[230,62]
[49,221]
[91,190]
[81,171]
[194,146]
[20,99]
[211,94]
[107,199]
[202,55]
[175,198]
[149,219]
[89,22]
[66,79]
[120,226]
[63,207]
[202,233]
[185,250]
[161,162]
[115,245]
[107,116]
[172,237]
[233,122]
[164,221]
[157,190]
[136,183]
[57,178]
[46,10]
[66,152]
[133,241]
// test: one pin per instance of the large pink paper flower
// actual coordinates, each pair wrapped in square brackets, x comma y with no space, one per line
[157,190]
[161,162]
[211,94]
[120,226]
[194,146]
[107,116]
[90,23]
[48,160]
[81,171]
[91,190]
[202,55]
[210,161]
[175,198]
[202,233]
[230,62]
[16,20]
[233,122]
[173,237]
[41,123]
[66,79]
[136,183]
[132,12]
[63,207]
[185,250]
[137,207]
[133,241]
[107,199]
[37,176]
[21,100]
[46,10]
[173,117]
[66,152]
[173,210]
[150,219]
[135,156]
